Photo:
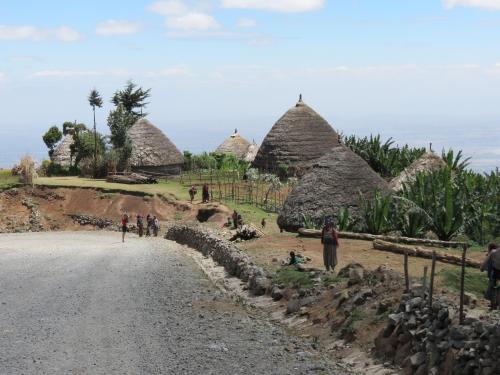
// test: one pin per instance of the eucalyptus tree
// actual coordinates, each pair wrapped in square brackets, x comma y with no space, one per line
[95,100]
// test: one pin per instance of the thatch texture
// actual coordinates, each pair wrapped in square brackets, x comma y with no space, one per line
[427,162]
[235,145]
[335,181]
[152,151]
[297,139]
[62,153]
[251,153]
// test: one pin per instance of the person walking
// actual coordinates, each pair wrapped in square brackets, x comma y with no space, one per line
[205,193]
[148,225]
[330,241]
[491,265]
[235,219]
[192,193]
[156,226]
[124,226]
[140,226]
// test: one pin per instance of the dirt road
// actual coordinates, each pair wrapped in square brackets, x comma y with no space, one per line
[84,303]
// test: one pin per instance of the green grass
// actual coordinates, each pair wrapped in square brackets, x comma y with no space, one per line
[291,277]
[333,279]
[475,282]
[349,326]
[7,181]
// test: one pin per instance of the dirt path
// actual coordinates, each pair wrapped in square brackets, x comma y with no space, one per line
[84,303]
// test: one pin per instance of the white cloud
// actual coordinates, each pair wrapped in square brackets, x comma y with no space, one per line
[168,8]
[63,33]
[488,4]
[247,23]
[113,27]
[64,73]
[192,22]
[276,5]
[171,71]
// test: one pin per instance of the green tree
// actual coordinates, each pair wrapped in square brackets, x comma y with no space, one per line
[132,98]
[52,138]
[95,100]
[119,122]
[85,143]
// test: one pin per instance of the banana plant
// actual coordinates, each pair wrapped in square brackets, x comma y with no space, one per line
[376,213]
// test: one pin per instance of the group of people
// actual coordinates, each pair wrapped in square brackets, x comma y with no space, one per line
[205,193]
[152,225]
[491,266]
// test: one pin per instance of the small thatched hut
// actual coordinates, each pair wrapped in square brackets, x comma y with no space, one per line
[427,162]
[251,153]
[335,181]
[62,153]
[299,137]
[237,146]
[152,151]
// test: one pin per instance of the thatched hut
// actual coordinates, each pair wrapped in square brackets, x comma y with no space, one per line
[427,162]
[238,146]
[62,153]
[251,152]
[152,151]
[300,137]
[335,181]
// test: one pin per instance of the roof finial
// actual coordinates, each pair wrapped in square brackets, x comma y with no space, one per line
[235,131]
[430,147]
[300,97]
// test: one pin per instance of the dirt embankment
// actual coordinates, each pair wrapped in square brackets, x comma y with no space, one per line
[49,209]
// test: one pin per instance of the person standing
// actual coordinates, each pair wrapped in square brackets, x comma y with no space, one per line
[235,219]
[491,265]
[192,193]
[140,226]
[124,226]
[148,225]
[156,226]
[206,193]
[330,241]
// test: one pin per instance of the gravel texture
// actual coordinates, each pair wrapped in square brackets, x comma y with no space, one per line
[84,303]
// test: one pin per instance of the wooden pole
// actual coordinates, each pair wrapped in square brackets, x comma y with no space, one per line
[407,276]
[433,272]
[424,281]
[462,285]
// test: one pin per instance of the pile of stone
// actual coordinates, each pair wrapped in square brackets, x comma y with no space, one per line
[133,178]
[86,220]
[245,233]
[35,220]
[429,340]
[224,253]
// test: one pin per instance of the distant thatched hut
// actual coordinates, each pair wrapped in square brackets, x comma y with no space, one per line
[238,146]
[427,162]
[297,139]
[335,181]
[152,151]
[62,153]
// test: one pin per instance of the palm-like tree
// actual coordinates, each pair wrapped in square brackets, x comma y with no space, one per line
[95,100]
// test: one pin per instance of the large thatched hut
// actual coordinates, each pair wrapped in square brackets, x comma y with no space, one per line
[238,146]
[152,151]
[335,181]
[427,162]
[62,153]
[300,137]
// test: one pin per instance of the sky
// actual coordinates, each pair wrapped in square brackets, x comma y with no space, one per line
[417,71]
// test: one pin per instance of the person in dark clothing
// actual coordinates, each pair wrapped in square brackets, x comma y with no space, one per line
[156,226]
[263,223]
[192,192]
[148,225]
[330,241]
[206,193]
[140,226]
[293,259]
[235,219]
[491,266]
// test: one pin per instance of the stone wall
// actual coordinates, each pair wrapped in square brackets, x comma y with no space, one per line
[425,340]
[223,252]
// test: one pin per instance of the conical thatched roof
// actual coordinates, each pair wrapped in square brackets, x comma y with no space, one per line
[152,148]
[62,153]
[251,153]
[235,145]
[297,139]
[333,182]
[427,162]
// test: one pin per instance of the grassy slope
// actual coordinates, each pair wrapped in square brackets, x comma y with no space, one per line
[8,181]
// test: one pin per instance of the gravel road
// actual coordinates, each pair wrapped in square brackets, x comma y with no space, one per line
[84,303]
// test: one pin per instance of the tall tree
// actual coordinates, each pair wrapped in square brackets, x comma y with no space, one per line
[95,100]
[132,98]
[51,138]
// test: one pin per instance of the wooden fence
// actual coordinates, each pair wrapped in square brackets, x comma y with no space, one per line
[230,186]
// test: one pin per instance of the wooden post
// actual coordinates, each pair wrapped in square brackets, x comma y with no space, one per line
[407,276]
[424,281]
[433,272]
[462,285]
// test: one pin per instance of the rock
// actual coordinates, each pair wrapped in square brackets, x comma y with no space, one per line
[293,306]
[417,359]
[470,299]
[276,293]
[395,319]
[361,296]
[356,276]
